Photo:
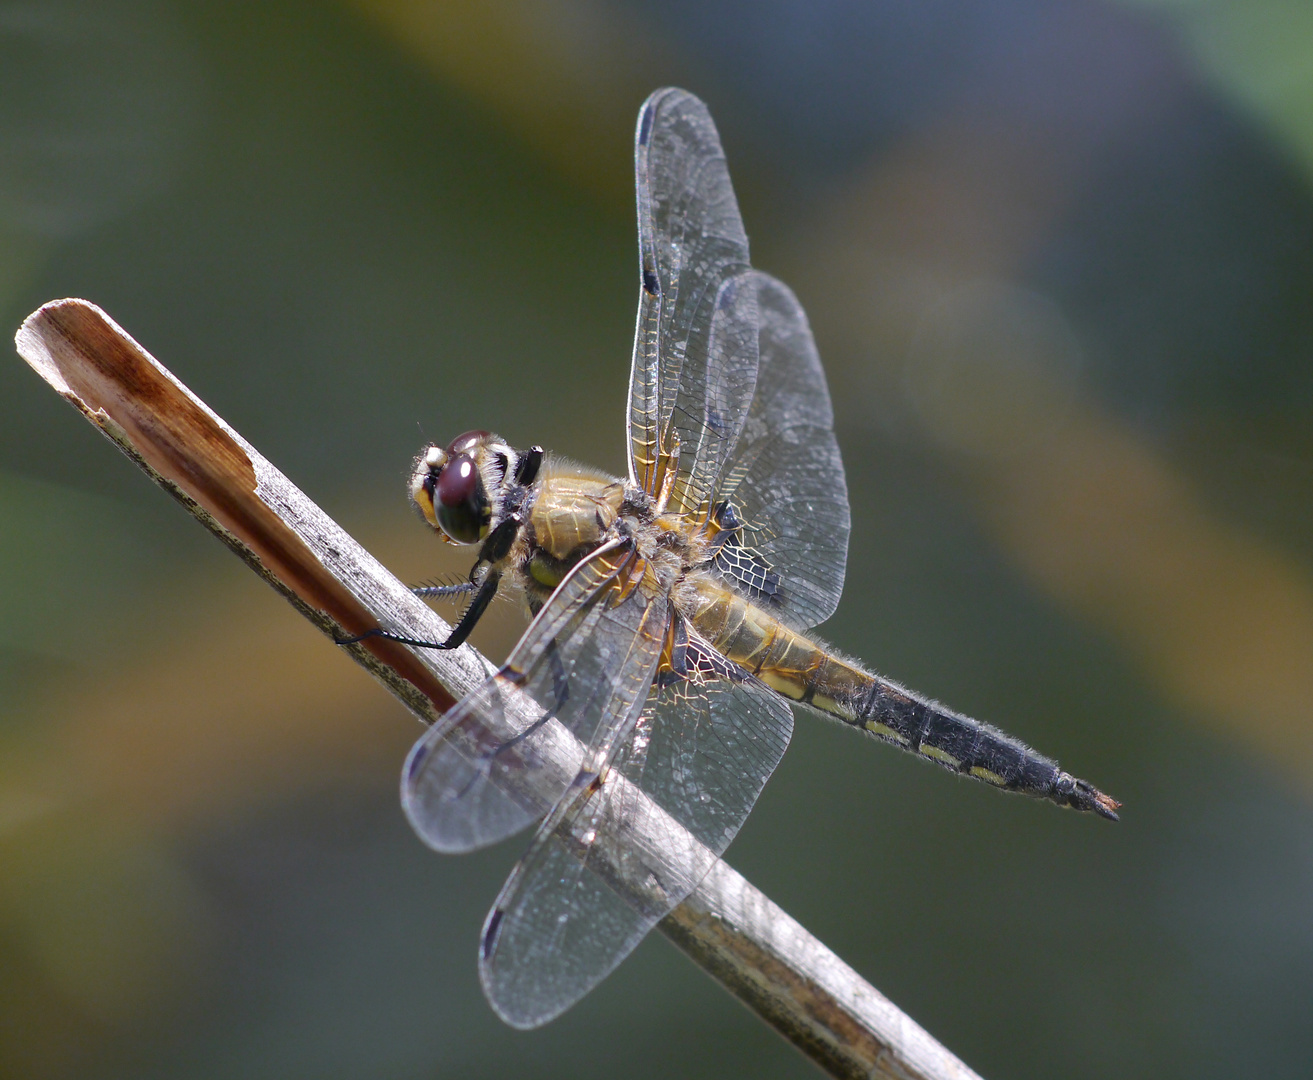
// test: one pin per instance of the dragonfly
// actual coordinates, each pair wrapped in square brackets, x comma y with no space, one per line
[671,609]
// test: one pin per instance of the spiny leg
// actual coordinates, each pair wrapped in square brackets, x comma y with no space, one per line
[459,633]
[443,592]
[495,549]
[560,695]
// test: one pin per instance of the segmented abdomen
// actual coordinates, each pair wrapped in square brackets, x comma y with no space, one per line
[805,671]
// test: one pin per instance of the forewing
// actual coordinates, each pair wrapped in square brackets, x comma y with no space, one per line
[705,341]
[583,897]
[690,241]
[786,481]
[710,410]
[465,783]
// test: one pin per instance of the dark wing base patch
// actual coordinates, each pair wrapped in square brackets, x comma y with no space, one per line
[694,663]
[741,565]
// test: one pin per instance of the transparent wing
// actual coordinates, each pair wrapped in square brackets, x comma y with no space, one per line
[581,899]
[706,345]
[583,661]
[707,742]
[709,412]
[694,361]
[786,481]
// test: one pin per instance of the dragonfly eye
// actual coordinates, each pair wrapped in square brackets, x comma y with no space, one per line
[463,507]
[466,444]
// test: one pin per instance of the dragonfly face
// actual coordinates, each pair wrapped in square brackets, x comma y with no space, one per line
[671,608]
[458,487]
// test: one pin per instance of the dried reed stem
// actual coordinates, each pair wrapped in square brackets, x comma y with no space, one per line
[734,932]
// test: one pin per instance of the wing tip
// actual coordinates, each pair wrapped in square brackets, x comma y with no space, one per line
[511,1007]
[647,112]
[658,98]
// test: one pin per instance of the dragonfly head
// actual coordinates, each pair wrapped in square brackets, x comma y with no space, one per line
[458,487]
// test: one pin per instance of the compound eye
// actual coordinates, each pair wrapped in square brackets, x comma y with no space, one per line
[463,509]
[467,443]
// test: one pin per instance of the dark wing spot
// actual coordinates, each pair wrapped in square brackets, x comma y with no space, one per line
[704,664]
[727,517]
[741,565]
[490,934]
[650,283]
[416,760]
[694,661]
[645,125]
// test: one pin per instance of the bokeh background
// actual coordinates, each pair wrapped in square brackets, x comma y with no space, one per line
[1058,255]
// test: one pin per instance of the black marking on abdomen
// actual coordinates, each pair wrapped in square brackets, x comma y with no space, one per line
[1004,758]
[973,749]
[902,714]
[957,737]
[954,741]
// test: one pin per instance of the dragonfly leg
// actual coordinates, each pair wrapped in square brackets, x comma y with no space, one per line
[495,549]
[458,634]
[442,592]
[560,695]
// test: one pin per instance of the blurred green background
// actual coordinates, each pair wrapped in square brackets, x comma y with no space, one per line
[1058,255]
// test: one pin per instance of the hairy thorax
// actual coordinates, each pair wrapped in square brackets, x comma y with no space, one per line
[574,510]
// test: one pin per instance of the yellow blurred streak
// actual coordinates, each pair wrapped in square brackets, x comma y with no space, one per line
[567,77]
[240,702]
[1220,620]
[235,705]
[237,702]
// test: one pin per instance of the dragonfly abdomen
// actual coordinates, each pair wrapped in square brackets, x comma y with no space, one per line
[969,747]
[807,672]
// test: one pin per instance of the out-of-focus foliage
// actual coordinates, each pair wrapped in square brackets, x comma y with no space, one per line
[1256,52]
[1058,258]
